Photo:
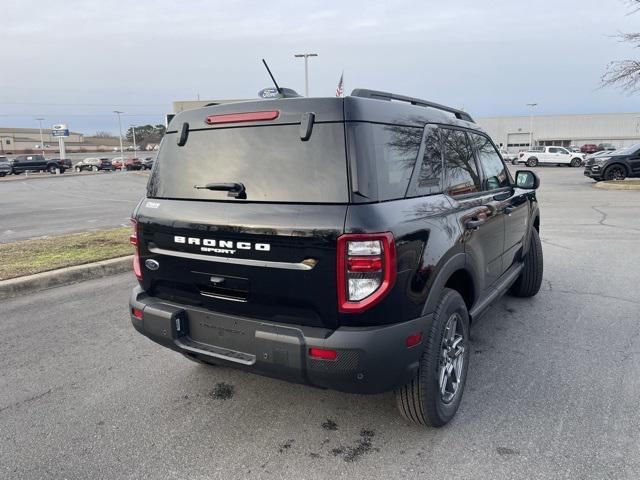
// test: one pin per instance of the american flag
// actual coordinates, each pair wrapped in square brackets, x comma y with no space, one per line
[340,89]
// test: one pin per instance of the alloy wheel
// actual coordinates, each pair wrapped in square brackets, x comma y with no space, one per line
[452,359]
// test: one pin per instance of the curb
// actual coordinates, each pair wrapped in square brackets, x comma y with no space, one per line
[619,185]
[64,276]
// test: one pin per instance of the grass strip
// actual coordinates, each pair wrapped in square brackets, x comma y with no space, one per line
[43,254]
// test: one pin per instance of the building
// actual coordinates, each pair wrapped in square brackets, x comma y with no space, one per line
[619,129]
[14,141]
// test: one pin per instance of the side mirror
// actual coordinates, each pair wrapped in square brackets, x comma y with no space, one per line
[527,179]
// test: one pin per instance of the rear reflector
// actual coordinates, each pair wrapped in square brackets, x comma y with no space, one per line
[242,117]
[413,339]
[136,312]
[322,353]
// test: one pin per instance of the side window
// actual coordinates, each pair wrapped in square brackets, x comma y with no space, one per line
[386,156]
[554,150]
[428,172]
[495,173]
[461,173]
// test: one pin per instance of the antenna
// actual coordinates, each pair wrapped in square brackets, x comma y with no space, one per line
[272,77]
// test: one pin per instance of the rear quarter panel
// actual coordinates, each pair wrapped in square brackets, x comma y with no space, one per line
[426,238]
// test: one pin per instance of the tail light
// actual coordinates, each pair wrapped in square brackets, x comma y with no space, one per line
[366,270]
[133,238]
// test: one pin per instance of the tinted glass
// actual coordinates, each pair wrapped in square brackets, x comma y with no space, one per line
[495,173]
[385,156]
[271,162]
[428,177]
[461,174]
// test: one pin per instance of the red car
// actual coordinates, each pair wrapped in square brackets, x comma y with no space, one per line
[129,163]
[589,148]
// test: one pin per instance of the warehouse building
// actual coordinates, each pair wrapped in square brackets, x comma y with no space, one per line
[14,141]
[619,129]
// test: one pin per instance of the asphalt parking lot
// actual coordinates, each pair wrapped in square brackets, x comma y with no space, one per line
[552,390]
[55,205]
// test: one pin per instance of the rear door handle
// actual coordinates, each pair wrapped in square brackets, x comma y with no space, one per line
[473,224]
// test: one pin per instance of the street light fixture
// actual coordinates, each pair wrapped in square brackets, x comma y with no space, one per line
[306,69]
[531,107]
[117,112]
[41,137]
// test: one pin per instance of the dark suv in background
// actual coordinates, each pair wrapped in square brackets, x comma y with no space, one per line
[616,165]
[346,243]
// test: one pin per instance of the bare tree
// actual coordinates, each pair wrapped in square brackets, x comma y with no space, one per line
[625,73]
[103,134]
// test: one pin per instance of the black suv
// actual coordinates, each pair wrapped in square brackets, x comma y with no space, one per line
[346,243]
[36,163]
[616,165]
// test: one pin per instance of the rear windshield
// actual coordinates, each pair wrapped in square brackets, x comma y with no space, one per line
[272,163]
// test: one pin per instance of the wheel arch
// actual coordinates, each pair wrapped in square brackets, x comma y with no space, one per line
[456,275]
[619,164]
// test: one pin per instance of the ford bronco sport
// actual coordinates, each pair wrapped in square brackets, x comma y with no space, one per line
[345,243]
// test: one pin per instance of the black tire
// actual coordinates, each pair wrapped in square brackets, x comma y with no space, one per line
[530,279]
[532,162]
[94,168]
[51,169]
[514,161]
[576,162]
[421,401]
[615,172]
[2,174]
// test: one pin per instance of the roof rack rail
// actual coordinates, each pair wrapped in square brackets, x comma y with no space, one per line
[375,94]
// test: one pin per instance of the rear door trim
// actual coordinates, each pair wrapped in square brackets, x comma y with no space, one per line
[234,261]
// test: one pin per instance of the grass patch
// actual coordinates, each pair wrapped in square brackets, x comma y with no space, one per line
[43,254]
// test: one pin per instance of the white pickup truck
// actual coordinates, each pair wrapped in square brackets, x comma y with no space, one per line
[550,155]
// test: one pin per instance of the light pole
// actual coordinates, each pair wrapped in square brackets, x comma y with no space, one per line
[117,112]
[133,128]
[41,137]
[306,69]
[531,107]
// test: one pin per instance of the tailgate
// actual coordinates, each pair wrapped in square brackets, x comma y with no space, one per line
[268,261]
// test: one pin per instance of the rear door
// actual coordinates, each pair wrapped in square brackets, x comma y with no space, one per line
[478,211]
[268,252]
[513,206]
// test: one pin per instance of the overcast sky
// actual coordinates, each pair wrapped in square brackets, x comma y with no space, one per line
[76,61]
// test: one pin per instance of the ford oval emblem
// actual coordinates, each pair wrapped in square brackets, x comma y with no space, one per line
[151,264]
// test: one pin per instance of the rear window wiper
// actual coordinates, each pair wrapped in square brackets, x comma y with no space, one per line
[235,190]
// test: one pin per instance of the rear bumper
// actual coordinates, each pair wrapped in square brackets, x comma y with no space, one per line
[369,359]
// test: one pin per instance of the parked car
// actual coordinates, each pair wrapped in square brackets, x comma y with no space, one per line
[133,164]
[589,148]
[116,162]
[5,166]
[66,163]
[616,165]
[94,164]
[357,269]
[550,155]
[34,163]
[147,163]
[607,147]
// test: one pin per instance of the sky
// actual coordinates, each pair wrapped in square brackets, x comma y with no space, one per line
[76,61]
